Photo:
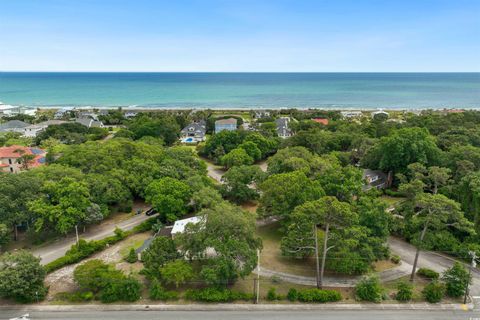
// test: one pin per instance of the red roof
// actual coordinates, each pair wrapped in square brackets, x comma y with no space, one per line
[321,120]
[9,152]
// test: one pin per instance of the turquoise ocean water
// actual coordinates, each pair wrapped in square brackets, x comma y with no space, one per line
[243,90]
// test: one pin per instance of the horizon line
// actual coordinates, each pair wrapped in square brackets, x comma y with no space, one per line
[133,71]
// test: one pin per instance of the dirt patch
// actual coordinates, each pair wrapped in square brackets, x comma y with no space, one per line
[62,279]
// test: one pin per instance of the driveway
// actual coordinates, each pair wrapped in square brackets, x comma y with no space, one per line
[432,260]
[57,249]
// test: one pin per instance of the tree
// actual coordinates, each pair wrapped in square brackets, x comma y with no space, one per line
[94,275]
[63,205]
[456,279]
[205,197]
[401,148]
[240,183]
[327,212]
[228,231]
[437,212]
[5,235]
[161,251]
[16,192]
[252,150]
[291,159]
[24,159]
[21,277]
[176,272]
[236,157]
[169,197]
[468,193]
[281,193]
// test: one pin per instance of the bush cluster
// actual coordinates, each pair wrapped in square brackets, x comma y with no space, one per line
[428,273]
[216,295]
[318,295]
[369,289]
[157,292]
[405,291]
[106,283]
[434,291]
[395,259]
[272,295]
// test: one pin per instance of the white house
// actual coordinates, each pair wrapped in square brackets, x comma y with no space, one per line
[179,225]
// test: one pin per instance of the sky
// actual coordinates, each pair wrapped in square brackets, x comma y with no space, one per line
[240,35]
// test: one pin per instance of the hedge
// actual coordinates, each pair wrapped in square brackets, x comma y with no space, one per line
[85,249]
[428,273]
[216,295]
[318,295]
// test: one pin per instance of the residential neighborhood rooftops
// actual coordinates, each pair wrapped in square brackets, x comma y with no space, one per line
[89,122]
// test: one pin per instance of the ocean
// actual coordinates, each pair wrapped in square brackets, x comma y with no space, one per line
[242,90]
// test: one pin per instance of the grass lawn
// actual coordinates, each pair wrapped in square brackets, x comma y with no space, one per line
[271,255]
[392,201]
[134,241]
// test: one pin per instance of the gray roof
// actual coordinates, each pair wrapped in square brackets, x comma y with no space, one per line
[196,127]
[88,122]
[51,122]
[226,121]
[282,127]
[13,124]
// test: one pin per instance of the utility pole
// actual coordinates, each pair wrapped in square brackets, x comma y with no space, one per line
[473,264]
[258,276]
[76,233]
[315,234]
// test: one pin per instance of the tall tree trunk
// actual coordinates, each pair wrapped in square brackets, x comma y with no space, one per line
[15,232]
[315,235]
[324,254]
[422,235]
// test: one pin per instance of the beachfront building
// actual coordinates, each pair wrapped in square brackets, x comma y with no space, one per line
[229,124]
[194,132]
[12,158]
[10,111]
[351,114]
[62,113]
[380,115]
[283,128]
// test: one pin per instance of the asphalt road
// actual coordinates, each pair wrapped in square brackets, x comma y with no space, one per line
[243,315]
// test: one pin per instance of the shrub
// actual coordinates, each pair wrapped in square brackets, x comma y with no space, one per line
[405,291]
[157,292]
[216,295]
[456,279]
[318,295]
[369,289]
[272,294]
[434,291]
[395,259]
[127,289]
[110,284]
[292,294]
[132,256]
[176,272]
[428,273]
